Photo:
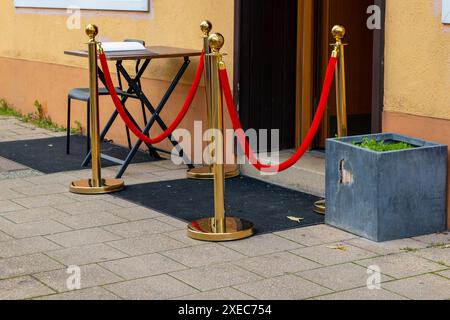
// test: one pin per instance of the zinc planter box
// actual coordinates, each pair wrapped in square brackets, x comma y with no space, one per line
[386,196]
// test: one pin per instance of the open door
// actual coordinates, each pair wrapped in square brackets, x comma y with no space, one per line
[359,64]
[282,48]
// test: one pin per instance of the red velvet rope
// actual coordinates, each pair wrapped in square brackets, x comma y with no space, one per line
[309,138]
[123,114]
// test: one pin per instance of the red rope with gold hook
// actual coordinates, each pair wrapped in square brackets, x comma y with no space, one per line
[129,123]
[225,84]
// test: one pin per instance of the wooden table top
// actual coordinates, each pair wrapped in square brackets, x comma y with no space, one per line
[153,52]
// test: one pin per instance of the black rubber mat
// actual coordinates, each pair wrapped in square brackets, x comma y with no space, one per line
[49,155]
[266,205]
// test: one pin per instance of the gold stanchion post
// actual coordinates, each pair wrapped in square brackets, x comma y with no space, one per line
[219,228]
[95,185]
[206,172]
[341,96]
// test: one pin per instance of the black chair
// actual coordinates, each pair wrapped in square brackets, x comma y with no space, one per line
[83,94]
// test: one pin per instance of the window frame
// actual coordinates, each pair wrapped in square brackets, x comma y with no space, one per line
[113,5]
[446,11]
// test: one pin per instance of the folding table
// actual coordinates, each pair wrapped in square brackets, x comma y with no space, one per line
[134,90]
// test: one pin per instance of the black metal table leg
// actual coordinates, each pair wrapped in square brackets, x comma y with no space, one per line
[135,91]
[155,116]
[111,120]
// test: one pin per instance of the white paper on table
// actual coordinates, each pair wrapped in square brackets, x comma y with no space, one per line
[122,46]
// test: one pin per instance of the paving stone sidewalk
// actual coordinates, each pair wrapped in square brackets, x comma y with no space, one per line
[125,251]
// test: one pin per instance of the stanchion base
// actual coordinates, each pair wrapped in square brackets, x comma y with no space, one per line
[320,207]
[204,173]
[85,186]
[205,230]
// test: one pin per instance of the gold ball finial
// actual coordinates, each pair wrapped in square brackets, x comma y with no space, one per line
[216,41]
[338,32]
[206,27]
[91,31]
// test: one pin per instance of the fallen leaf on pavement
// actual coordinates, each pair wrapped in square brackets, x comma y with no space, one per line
[296,219]
[338,247]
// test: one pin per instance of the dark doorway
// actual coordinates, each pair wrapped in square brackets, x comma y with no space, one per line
[267,44]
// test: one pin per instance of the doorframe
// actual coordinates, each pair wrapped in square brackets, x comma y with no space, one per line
[237,52]
[305,67]
[378,71]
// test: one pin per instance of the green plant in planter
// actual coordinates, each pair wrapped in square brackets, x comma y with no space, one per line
[378,185]
[382,146]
